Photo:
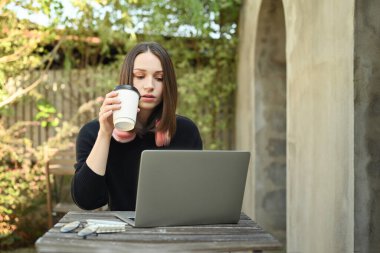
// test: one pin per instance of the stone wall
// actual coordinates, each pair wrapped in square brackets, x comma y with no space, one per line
[367,126]
[270,119]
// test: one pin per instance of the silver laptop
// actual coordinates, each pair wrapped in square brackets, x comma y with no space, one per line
[188,187]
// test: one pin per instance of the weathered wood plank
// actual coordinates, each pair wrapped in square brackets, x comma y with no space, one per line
[63,207]
[260,238]
[76,245]
[184,234]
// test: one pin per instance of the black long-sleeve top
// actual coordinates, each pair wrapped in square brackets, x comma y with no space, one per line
[118,187]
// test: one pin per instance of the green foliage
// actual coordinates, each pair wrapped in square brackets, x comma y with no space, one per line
[192,18]
[21,42]
[22,175]
[22,181]
[47,114]
[21,193]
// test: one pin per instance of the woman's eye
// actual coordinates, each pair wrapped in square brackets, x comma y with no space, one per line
[159,78]
[139,77]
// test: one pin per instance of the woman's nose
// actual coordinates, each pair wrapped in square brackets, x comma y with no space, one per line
[149,84]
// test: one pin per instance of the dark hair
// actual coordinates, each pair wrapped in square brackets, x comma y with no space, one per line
[166,111]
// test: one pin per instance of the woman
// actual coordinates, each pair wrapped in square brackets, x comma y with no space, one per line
[108,159]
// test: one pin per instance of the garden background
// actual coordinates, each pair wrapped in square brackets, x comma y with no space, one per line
[58,57]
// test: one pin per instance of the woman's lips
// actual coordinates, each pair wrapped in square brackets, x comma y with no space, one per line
[148,98]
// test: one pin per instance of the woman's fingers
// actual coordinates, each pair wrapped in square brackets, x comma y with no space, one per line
[111,102]
[104,115]
[111,94]
[111,98]
[111,107]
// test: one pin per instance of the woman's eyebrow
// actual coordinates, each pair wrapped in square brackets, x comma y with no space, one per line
[144,70]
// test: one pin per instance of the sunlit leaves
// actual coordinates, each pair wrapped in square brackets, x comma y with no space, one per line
[193,18]
[47,114]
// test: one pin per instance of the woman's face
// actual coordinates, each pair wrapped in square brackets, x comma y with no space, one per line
[148,80]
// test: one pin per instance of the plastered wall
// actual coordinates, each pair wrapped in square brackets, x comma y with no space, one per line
[245,114]
[320,137]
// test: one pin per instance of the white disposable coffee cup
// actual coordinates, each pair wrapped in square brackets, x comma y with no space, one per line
[125,118]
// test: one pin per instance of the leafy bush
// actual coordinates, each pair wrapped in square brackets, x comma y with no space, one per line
[23,181]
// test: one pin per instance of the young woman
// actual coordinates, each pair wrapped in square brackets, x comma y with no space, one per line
[108,159]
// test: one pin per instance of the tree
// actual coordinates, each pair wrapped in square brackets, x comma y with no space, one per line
[21,45]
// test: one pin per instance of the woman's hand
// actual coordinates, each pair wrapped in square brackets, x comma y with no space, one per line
[110,104]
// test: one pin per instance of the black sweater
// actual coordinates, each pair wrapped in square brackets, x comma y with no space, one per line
[118,187]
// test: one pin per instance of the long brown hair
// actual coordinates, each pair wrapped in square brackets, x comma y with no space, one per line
[165,112]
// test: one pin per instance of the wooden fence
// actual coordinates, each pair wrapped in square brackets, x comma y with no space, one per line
[67,91]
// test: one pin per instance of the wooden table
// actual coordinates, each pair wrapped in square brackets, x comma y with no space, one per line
[244,236]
